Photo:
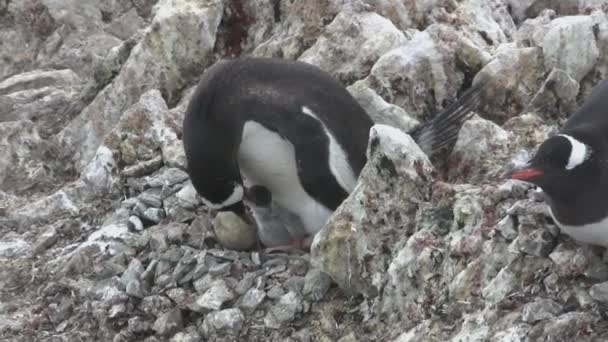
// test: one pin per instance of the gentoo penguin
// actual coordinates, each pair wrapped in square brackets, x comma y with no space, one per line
[571,168]
[290,127]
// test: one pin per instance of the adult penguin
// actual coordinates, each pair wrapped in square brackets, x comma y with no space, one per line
[291,128]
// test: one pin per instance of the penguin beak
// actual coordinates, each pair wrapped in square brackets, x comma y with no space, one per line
[525,173]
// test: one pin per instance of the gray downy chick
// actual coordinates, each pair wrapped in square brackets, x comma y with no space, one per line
[276,225]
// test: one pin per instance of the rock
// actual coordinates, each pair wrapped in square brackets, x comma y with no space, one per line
[479,146]
[169,322]
[369,212]
[352,43]
[316,284]
[150,65]
[46,240]
[251,299]
[569,262]
[540,309]
[404,75]
[188,197]
[539,242]
[215,297]
[379,110]
[232,232]
[151,198]
[599,292]
[284,311]
[135,224]
[565,326]
[190,336]
[154,215]
[579,56]
[225,322]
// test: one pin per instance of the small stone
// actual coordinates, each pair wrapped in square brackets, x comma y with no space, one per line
[232,232]
[188,197]
[151,198]
[135,224]
[117,310]
[204,283]
[178,295]
[153,214]
[506,228]
[276,292]
[133,272]
[190,336]
[143,168]
[304,335]
[276,269]
[222,269]
[46,240]
[158,239]
[570,261]
[295,284]
[166,177]
[284,311]
[599,292]
[228,322]
[138,325]
[251,299]
[135,289]
[350,337]
[316,284]
[199,231]
[540,309]
[175,233]
[245,284]
[155,305]
[538,242]
[169,322]
[149,274]
[215,297]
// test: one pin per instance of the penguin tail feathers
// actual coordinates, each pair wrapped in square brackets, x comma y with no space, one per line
[442,131]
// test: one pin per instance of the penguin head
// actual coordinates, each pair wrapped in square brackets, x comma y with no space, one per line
[259,196]
[562,166]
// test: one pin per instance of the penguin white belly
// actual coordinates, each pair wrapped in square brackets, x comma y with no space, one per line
[591,233]
[265,158]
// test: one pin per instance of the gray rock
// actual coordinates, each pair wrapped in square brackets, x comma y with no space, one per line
[155,305]
[295,284]
[143,168]
[284,311]
[166,177]
[539,242]
[540,309]
[138,325]
[215,297]
[478,139]
[190,336]
[153,214]
[135,224]
[275,292]
[225,322]
[175,233]
[577,57]
[45,241]
[316,284]
[599,292]
[251,300]
[352,43]
[169,322]
[350,236]
[133,272]
[188,197]
[379,110]
[151,198]
[570,262]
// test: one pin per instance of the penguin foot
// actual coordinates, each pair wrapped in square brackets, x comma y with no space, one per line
[301,244]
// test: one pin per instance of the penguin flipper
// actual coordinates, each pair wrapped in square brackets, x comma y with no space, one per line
[442,130]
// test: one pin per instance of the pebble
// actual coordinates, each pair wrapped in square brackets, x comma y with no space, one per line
[284,311]
[189,336]
[204,283]
[316,284]
[506,228]
[276,292]
[143,168]
[295,284]
[175,233]
[166,177]
[228,322]
[252,299]
[45,241]
[540,309]
[245,283]
[215,297]
[154,214]
[151,198]
[188,197]
[178,295]
[155,305]
[169,322]
[599,292]
[135,224]
[538,242]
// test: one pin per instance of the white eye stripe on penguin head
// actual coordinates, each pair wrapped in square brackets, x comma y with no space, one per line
[579,152]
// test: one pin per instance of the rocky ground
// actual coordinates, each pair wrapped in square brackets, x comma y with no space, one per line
[102,237]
